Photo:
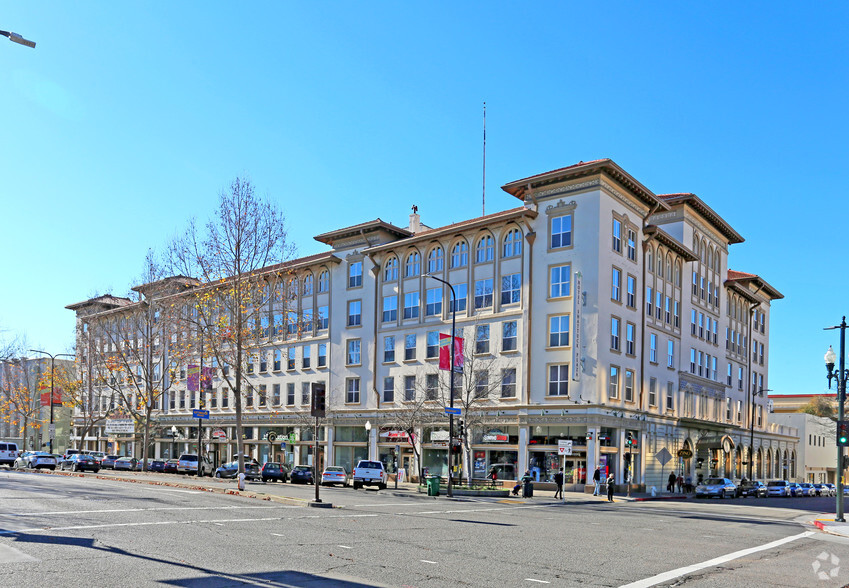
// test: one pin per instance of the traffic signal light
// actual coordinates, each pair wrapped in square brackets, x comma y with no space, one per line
[460,431]
[629,439]
[843,433]
[318,407]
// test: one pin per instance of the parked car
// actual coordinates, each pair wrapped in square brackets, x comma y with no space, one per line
[752,488]
[369,473]
[189,464]
[822,490]
[274,471]
[334,475]
[97,455]
[807,489]
[36,459]
[78,462]
[302,474]
[8,453]
[156,465]
[231,470]
[130,464]
[832,488]
[108,461]
[795,489]
[69,452]
[719,487]
[778,488]
[171,466]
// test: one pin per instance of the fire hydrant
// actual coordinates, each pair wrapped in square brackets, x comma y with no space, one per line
[241,481]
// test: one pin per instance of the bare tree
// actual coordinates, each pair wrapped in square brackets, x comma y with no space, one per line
[413,416]
[234,255]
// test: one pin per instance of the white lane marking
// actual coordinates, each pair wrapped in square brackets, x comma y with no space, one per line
[219,524]
[344,546]
[672,574]
[157,508]
[535,580]
[427,561]
[175,490]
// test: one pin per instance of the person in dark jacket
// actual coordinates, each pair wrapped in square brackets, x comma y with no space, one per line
[558,481]
[610,484]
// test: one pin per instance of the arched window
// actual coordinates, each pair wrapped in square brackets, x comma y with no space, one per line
[307,284]
[292,288]
[678,273]
[512,243]
[460,254]
[660,271]
[390,270]
[669,268]
[324,281]
[710,258]
[484,251]
[413,266]
[649,260]
[717,262]
[434,260]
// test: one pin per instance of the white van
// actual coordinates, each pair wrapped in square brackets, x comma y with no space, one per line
[8,453]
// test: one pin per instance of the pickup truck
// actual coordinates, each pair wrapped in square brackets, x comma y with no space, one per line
[369,473]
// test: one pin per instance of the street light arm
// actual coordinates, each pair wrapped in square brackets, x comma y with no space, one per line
[16,38]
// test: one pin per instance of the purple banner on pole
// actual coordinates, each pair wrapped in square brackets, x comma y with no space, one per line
[192,380]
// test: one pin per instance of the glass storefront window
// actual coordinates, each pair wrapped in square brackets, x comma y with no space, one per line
[543,465]
[351,435]
[307,434]
[505,464]
[435,462]
[387,456]
[544,435]
[347,457]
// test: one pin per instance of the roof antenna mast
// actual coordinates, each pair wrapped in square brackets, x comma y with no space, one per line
[483,206]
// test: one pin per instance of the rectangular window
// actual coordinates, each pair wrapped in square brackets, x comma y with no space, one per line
[306,393]
[761,357]
[631,294]
[461,292]
[390,309]
[652,391]
[355,274]
[508,383]
[411,305]
[561,231]
[225,398]
[290,359]
[739,411]
[613,383]
[277,359]
[700,365]
[409,347]
[617,236]
[511,289]
[632,245]
[670,353]
[728,376]
[307,320]
[509,336]
[715,332]
[482,339]
[728,415]
[182,399]
[431,386]
[409,388]
[481,384]
[558,331]
[677,313]
[323,318]
[670,396]
[739,378]
[433,303]
[616,285]
[249,399]
[701,326]
[263,394]
[614,333]
[432,349]
[657,304]
[483,293]
[558,380]
[306,359]
[629,386]
[653,348]
[630,330]
[352,390]
[353,353]
[695,284]
[263,362]
[322,354]
[290,394]
[692,360]
[648,301]
[355,313]
[713,368]
[275,394]
[389,389]
[667,307]
[560,278]
[388,349]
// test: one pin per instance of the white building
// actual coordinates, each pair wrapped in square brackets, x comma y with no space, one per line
[574,307]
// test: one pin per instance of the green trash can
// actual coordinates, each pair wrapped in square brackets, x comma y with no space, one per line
[433,486]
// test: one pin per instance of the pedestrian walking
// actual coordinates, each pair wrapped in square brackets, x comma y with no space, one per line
[680,482]
[670,482]
[558,480]
[597,482]
[610,482]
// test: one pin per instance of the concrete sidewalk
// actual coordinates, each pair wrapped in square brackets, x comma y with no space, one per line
[829,525]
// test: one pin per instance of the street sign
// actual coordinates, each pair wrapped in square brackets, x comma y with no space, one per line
[457,411]
[200,414]
[564,447]
[663,456]
[52,430]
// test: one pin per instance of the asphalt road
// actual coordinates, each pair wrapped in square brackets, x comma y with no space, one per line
[84,531]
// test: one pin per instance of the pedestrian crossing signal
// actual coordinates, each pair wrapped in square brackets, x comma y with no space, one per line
[318,407]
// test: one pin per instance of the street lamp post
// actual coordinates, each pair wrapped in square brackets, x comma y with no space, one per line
[840,375]
[450,384]
[52,357]
[752,428]
[16,38]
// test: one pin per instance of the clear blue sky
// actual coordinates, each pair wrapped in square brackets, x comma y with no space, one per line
[129,118]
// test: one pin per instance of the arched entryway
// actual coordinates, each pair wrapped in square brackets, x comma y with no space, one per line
[769,463]
[759,464]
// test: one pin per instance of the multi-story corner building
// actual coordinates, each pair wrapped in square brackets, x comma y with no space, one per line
[817,450]
[595,312]
[24,418]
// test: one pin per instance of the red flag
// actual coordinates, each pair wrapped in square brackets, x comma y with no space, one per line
[445,352]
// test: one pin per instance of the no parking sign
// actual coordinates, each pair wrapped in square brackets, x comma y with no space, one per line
[564,447]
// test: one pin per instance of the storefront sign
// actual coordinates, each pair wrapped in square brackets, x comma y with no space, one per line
[394,435]
[495,437]
[577,298]
[119,426]
[685,453]
[439,436]
[219,434]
